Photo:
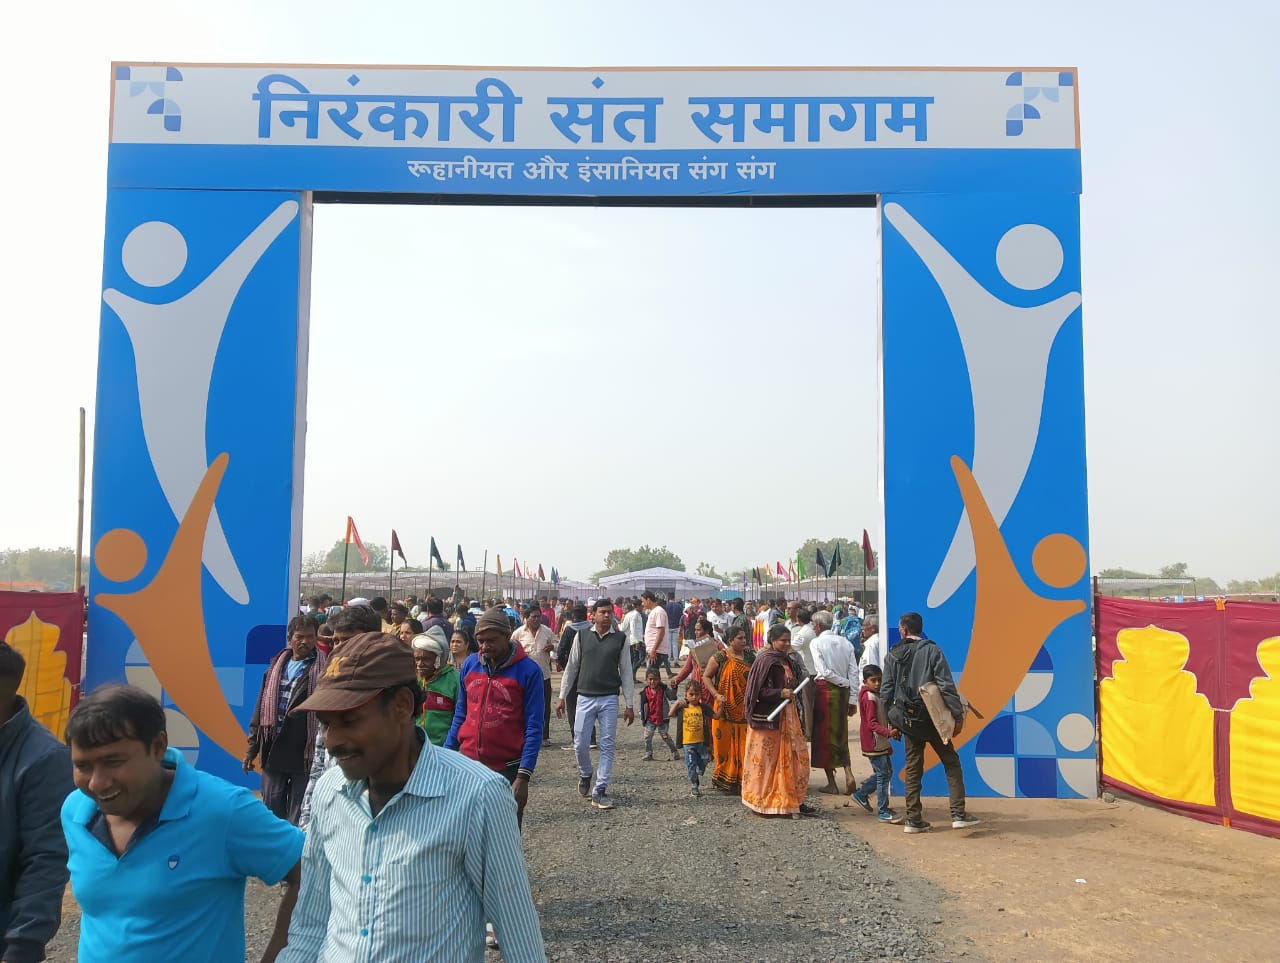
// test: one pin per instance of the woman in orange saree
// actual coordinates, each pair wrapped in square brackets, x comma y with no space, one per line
[775,771]
[725,679]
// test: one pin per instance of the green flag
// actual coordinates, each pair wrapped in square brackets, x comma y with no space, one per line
[799,567]
[835,561]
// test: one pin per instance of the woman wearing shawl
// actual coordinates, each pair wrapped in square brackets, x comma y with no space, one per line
[283,743]
[439,681]
[725,679]
[775,770]
[702,630]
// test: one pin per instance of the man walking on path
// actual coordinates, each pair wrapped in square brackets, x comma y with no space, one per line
[411,847]
[872,648]
[284,745]
[159,851]
[347,624]
[675,618]
[538,643]
[600,666]
[435,616]
[835,669]
[718,618]
[738,618]
[35,776]
[909,665]
[632,626]
[578,623]
[497,720]
[657,633]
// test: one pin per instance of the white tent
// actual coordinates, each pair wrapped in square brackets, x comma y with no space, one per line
[668,581]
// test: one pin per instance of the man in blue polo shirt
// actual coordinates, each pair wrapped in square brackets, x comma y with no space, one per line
[158,851]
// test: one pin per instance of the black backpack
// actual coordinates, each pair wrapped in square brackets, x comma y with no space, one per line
[907,711]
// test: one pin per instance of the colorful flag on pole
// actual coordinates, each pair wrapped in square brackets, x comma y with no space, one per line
[515,568]
[781,572]
[744,581]
[395,547]
[435,553]
[353,538]
[822,563]
[755,575]
[499,566]
[555,576]
[462,563]
[868,556]
[799,567]
[835,561]
[541,577]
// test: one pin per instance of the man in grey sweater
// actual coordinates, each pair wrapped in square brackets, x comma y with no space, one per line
[35,778]
[600,667]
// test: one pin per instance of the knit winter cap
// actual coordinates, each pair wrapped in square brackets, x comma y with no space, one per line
[495,618]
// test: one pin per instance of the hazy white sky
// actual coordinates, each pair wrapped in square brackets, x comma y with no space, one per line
[490,325]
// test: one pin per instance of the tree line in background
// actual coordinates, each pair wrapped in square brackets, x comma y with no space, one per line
[54,568]
[1177,572]
[646,556]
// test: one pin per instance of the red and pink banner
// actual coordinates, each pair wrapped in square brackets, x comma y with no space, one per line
[1189,707]
[47,628]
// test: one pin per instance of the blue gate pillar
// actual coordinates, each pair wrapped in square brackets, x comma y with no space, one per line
[986,520]
[198,452]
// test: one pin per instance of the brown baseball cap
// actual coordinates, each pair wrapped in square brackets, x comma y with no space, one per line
[358,670]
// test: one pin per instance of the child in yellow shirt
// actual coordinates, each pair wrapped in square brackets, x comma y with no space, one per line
[693,733]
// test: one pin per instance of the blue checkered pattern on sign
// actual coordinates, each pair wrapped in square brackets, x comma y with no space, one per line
[1039,87]
[155,81]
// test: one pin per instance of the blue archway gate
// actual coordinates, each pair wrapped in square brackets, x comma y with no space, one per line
[212,174]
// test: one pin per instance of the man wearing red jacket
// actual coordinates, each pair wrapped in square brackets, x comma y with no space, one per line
[498,717]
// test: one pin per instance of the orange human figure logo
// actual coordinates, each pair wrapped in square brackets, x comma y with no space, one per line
[179,657]
[1010,621]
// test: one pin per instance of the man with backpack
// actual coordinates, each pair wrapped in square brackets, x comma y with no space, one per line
[911,663]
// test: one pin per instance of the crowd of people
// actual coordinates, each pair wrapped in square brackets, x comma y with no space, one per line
[396,743]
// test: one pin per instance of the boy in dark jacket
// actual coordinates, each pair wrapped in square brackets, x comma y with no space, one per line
[654,710]
[875,733]
[693,733]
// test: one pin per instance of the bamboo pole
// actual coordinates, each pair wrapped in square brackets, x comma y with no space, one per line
[79,572]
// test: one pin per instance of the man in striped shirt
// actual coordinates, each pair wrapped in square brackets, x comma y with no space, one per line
[411,848]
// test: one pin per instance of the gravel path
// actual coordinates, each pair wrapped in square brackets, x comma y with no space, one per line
[666,877]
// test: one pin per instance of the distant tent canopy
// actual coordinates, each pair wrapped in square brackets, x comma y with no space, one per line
[668,581]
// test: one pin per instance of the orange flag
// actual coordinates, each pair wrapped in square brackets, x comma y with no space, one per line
[353,538]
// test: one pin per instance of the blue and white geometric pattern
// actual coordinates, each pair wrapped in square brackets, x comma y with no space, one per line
[1017,756]
[153,82]
[1034,86]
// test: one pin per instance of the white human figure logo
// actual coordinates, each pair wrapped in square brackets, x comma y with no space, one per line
[1007,352]
[174,347]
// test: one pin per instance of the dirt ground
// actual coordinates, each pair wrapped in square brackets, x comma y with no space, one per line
[1038,880]
[1046,879]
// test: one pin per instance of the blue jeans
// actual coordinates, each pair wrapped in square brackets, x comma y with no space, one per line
[696,759]
[883,766]
[663,729]
[602,711]
[660,661]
